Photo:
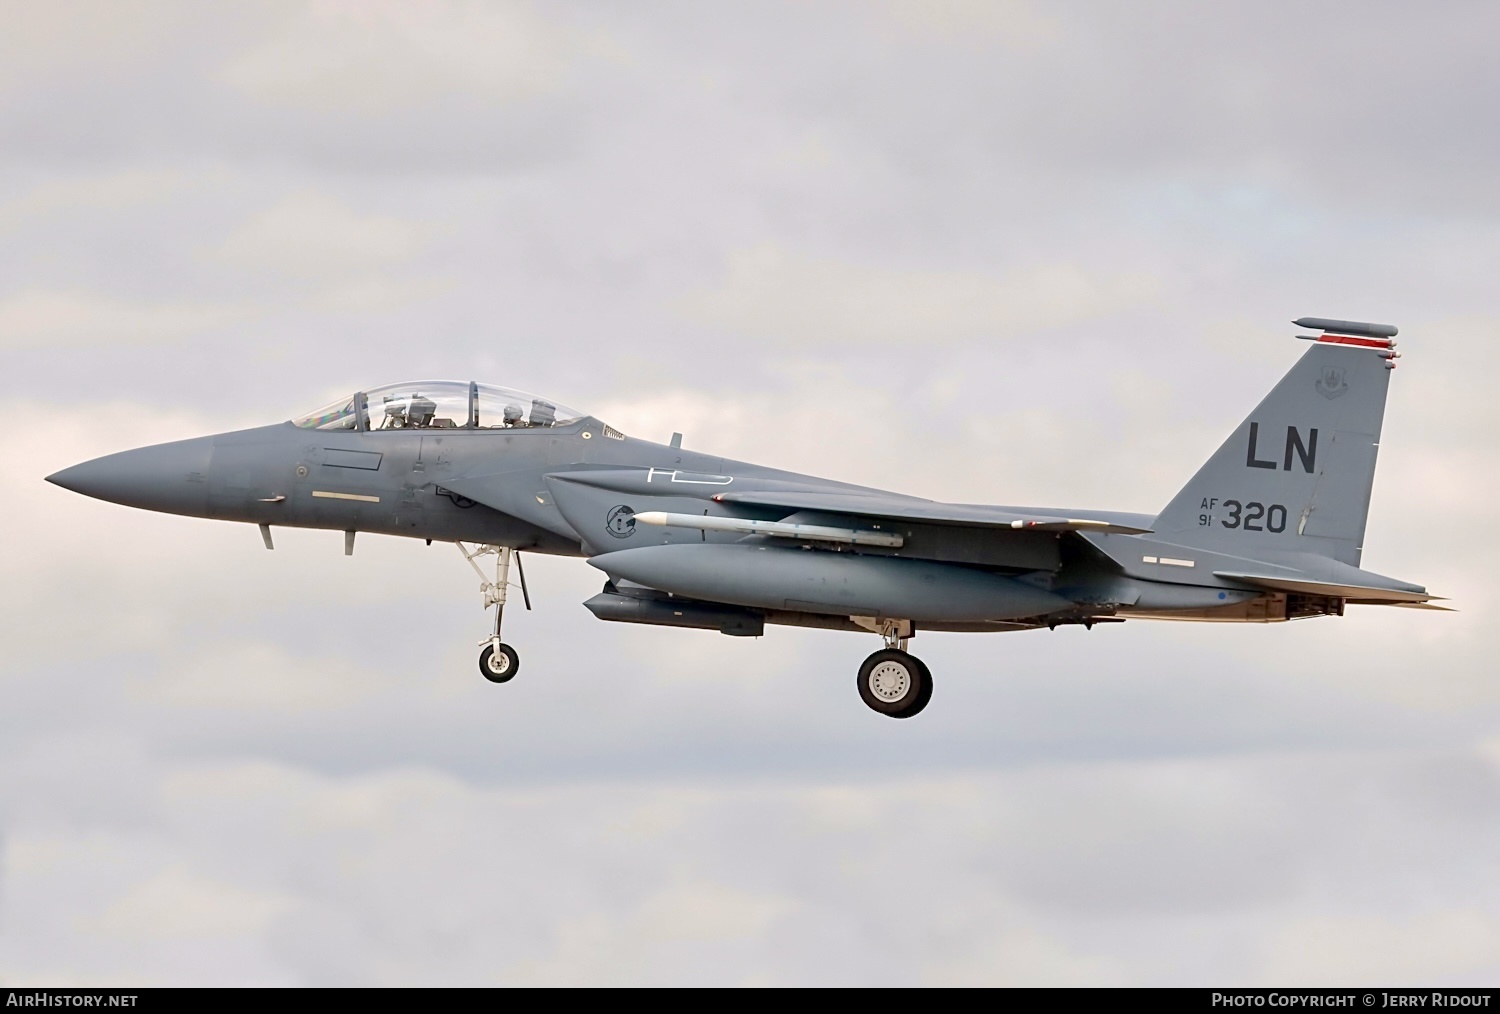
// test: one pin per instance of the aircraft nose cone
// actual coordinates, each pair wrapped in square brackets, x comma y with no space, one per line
[164,477]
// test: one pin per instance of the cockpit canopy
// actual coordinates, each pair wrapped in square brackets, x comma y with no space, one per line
[439,405]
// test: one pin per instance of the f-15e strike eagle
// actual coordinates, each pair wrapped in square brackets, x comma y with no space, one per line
[1269,529]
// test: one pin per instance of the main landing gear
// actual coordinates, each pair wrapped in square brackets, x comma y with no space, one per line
[893,681]
[498,662]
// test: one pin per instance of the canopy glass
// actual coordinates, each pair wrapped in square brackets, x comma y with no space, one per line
[440,405]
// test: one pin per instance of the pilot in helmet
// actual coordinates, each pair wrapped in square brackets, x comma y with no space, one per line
[512,415]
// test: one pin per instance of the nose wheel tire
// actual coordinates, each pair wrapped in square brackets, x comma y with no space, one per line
[895,683]
[499,666]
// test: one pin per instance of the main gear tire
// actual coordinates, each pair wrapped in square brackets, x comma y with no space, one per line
[924,695]
[499,666]
[894,683]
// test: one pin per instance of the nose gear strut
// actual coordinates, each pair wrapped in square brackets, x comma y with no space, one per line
[498,662]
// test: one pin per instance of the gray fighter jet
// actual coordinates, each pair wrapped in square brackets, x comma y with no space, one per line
[1269,529]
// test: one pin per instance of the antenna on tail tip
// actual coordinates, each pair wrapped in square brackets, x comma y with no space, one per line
[1381,337]
[1351,327]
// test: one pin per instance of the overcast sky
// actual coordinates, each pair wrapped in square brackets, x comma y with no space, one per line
[982,251]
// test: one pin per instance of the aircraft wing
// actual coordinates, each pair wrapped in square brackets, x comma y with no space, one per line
[926,511]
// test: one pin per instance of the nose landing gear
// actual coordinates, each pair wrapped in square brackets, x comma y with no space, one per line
[498,662]
[893,681]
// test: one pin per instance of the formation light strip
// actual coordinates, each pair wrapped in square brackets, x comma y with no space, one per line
[345,496]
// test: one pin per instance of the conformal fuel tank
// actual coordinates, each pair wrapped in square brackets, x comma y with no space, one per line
[819,581]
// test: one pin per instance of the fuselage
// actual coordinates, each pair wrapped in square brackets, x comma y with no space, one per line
[402,482]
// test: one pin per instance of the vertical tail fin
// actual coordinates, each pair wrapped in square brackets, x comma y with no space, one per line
[1297,474]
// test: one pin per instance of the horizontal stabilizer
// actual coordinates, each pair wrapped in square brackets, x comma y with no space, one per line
[1330,589]
[926,511]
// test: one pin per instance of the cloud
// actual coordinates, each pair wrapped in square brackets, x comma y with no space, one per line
[311,235]
[1433,947]
[770,293]
[604,947]
[88,195]
[369,58]
[79,36]
[273,874]
[1021,957]
[178,904]
[1011,22]
[259,676]
[56,319]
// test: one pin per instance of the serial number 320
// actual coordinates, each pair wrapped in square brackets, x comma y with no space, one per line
[1252,517]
